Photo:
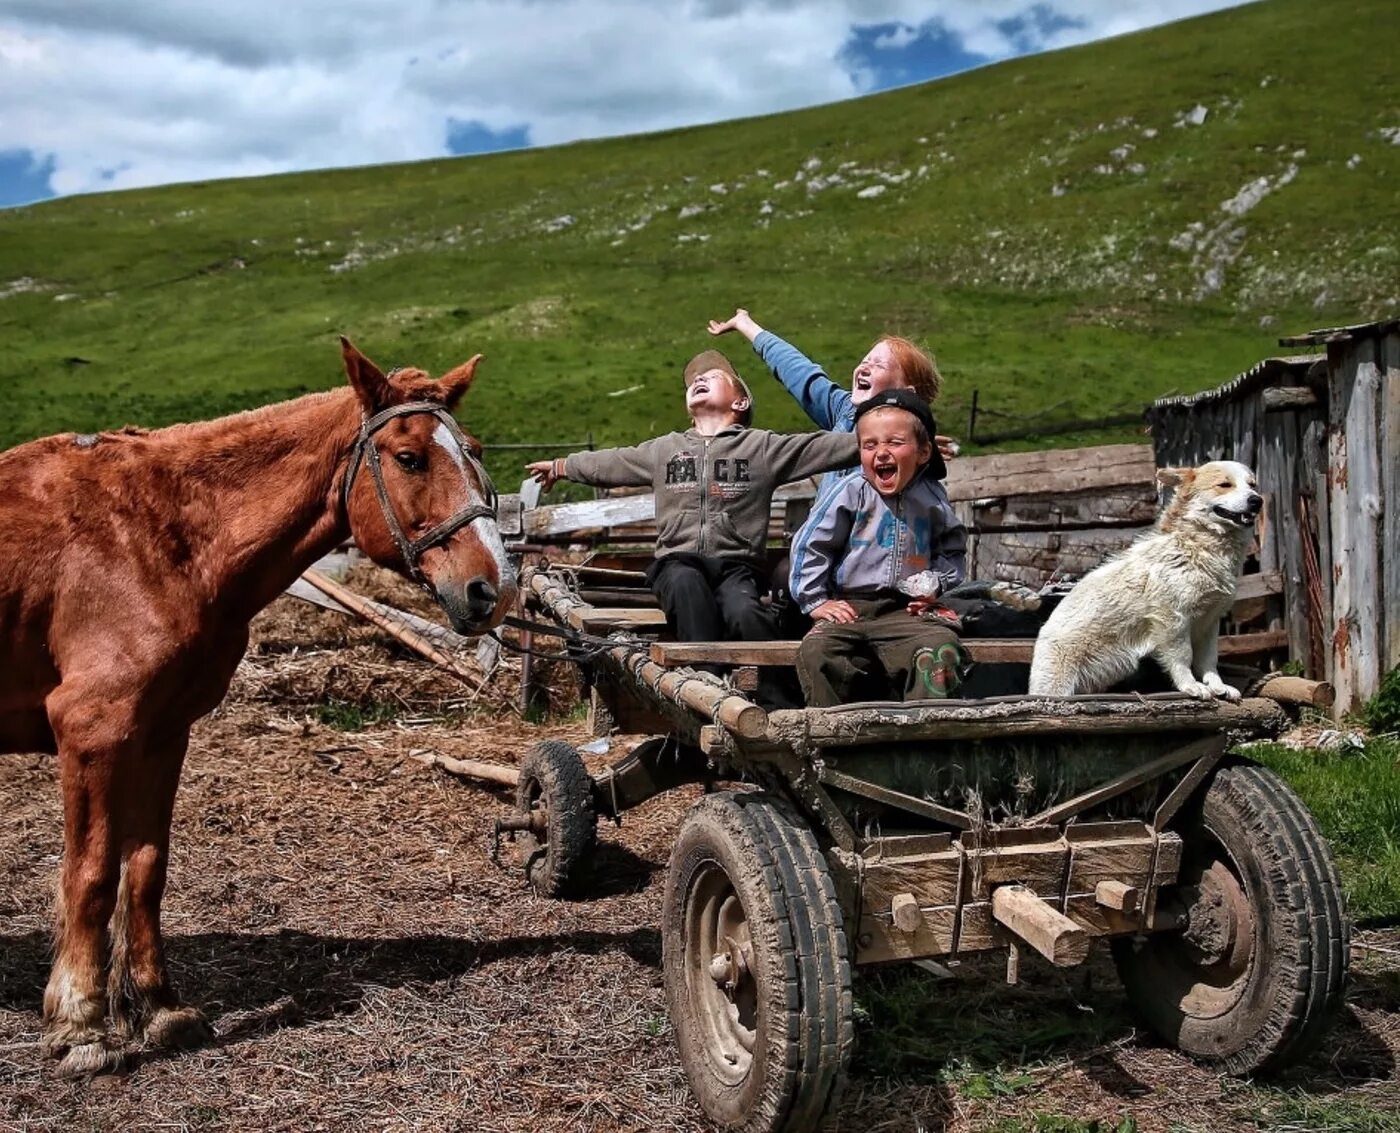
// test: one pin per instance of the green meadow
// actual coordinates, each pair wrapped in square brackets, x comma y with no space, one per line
[1072,234]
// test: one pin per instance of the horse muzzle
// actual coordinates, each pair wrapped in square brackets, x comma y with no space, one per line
[477,606]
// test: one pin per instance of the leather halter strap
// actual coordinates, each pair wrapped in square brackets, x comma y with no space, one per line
[366,453]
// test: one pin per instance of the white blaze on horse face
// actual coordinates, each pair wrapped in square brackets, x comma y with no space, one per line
[485,528]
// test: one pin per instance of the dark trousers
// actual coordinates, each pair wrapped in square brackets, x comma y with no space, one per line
[707,598]
[887,654]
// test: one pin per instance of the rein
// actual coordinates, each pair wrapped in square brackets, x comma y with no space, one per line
[366,453]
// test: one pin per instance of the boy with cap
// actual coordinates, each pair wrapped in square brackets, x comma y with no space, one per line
[868,566]
[714,486]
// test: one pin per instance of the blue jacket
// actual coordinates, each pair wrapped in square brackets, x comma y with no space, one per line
[826,403]
[857,544]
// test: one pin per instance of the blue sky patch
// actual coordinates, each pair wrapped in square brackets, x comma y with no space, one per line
[22,178]
[473,137]
[894,55]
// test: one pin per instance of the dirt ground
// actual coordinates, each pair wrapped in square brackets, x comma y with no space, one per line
[334,909]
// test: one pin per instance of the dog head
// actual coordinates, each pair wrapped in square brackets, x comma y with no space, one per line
[1222,494]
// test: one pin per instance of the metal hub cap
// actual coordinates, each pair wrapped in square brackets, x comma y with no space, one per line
[720,980]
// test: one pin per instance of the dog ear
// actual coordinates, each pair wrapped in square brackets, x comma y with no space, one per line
[1175,477]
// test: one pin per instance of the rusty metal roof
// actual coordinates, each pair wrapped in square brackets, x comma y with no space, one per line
[1342,334]
[1289,370]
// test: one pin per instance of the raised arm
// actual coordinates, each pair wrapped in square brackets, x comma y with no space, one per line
[821,399]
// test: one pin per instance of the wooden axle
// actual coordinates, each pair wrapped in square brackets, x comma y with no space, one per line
[1049,932]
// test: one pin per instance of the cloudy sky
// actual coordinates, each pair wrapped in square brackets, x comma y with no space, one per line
[116,94]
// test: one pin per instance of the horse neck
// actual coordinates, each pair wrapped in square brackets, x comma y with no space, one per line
[272,479]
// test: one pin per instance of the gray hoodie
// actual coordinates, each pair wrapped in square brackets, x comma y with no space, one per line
[714,494]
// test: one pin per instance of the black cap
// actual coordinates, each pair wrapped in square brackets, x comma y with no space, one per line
[910,402]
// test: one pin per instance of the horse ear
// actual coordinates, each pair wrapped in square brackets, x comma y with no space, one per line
[456,381]
[366,378]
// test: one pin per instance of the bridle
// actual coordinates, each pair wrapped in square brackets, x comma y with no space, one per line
[365,452]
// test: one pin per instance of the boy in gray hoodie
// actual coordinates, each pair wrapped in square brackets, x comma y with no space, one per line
[714,486]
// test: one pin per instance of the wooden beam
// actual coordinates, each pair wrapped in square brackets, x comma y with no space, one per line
[899,799]
[1053,471]
[1208,748]
[993,649]
[1004,716]
[1117,895]
[1049,932]
[1283,398]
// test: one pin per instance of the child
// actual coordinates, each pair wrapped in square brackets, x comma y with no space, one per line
[870,562]
[891,363]
[714,487]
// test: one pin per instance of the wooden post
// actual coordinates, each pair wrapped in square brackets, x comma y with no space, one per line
[1117,895]
[904,910]
[1049,932]
[1390,494]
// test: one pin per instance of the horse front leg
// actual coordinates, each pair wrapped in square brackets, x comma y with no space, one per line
[141,994]
[90,745]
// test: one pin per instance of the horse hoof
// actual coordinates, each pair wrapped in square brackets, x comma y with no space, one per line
[178,1028]
[85,1060]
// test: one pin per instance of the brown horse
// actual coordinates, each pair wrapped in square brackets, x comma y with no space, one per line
[130,566]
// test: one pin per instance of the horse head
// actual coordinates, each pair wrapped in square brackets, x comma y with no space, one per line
[416,495]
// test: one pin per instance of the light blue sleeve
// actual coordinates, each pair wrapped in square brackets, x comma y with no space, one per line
[821,399]
[819,544]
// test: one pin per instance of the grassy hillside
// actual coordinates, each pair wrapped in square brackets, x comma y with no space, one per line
[1062,230]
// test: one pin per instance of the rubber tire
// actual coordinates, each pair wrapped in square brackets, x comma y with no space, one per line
[1295,981]
[552,775]
[801,964]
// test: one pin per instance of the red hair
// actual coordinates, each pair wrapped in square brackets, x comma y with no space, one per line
[920,372]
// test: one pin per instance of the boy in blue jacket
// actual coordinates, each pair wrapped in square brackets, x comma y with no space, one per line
[880,547]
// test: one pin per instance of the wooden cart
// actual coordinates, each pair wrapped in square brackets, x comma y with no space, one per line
[873,833]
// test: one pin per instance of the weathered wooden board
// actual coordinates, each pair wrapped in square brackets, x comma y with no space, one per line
[1127,506]
[1056,471]
[1355,374]
[1034,557]
[1390,494]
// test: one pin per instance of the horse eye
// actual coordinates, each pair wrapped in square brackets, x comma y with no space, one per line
[410,461]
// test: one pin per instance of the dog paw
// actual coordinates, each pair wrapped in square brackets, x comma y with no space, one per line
[1225,692]
[1196,689]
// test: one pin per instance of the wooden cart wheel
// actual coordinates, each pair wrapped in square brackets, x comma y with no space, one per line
[1257,973]
[557,793]
[757,972]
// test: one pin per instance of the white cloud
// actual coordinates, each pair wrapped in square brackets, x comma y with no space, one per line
[149,91]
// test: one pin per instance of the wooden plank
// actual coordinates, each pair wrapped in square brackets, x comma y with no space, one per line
[1356,523]
[563,519]
[673,653]
[898,799]
[1131,506]
[604,619]
[1281,399]
[1314,483]
[1053,471]
[1390,496]
[1294,601]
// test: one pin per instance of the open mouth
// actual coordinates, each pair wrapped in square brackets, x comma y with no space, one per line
[886,475]
[1243,518]
[699,388]
[861,384]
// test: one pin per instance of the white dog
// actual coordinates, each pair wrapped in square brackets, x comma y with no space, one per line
[1163,597]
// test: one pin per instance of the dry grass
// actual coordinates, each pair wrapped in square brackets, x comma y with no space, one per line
[334,909]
